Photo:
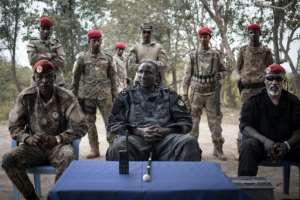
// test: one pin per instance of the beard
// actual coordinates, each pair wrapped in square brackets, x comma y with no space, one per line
[274,90]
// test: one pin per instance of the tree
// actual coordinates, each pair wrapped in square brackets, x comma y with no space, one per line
[11,13]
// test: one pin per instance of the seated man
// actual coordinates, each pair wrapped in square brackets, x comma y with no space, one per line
[269,124]
[155,119]
[44,121]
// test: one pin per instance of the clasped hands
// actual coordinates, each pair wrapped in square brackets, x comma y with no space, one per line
[41,140]
[276,150]
[152,133]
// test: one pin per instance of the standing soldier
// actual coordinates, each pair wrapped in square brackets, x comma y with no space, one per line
[120,66]
[147,50]
[47,48]
[252,61]
[94,85]
[202,75]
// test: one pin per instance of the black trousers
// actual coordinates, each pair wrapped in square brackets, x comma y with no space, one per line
[252,152]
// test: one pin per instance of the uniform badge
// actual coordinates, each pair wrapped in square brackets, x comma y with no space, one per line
[180,102]
[39,69]
[55,115]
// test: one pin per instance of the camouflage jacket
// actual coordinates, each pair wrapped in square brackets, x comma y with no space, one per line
[51,50]
[61,115]
[252,62]
[134,109]
[200,70]
[94,76]
[121,72]
[140,52]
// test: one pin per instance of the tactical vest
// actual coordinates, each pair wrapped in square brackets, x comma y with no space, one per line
[153,110]
[204,67]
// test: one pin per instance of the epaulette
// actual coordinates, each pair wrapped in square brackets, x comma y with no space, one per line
[28,91]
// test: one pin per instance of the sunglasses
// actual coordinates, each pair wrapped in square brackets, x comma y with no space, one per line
[276,78]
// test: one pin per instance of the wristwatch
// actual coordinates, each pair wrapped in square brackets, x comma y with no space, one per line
[58,139]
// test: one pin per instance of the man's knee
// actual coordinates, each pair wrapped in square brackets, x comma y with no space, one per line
[8,161]
[249,144]
[113,150]
[191,145]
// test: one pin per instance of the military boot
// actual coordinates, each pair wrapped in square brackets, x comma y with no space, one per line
[94,152]
[218,151]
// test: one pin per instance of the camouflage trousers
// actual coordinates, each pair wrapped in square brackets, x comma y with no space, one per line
[246,94]
[173,147]
[104,107]
[199,102]
[24,156]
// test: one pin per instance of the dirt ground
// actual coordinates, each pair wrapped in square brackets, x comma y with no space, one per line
[230,130]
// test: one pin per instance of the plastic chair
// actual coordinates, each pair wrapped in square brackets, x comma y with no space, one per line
[286,171]
[39,170]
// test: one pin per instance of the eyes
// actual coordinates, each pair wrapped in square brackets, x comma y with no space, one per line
[48,77]
[276,78]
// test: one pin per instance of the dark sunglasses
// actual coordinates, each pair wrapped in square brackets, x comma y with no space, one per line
[276,78]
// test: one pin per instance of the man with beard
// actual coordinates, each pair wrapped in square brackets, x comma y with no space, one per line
[252,61]
[47,48]
[269,124]
[44,121]
[94,83]
[147,50]
[120,66]
[155,120]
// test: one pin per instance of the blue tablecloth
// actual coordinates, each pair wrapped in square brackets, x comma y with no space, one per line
[100,180]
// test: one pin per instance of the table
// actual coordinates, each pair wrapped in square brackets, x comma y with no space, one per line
[100,180]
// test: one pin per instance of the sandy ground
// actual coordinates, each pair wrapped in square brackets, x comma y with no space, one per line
[230,129]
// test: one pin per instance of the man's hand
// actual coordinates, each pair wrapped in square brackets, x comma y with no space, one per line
[186,101]
[268,145]
[279,150]
[218,76]
[34,140]
[152,133]
[49,141]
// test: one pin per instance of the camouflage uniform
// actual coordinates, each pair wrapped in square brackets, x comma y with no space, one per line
[135,109]
[60,116]
[151,51]
[93,83]
[251,64]
[51,50]
[121,72]
[199,76]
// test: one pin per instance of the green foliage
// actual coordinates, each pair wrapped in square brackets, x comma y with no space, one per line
[7,86]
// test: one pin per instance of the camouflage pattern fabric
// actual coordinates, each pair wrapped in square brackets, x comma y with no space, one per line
[30,115]
[51,50]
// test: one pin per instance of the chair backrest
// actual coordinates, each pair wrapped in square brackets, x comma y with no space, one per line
[75,144]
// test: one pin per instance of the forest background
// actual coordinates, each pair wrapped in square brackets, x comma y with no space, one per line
[175,26]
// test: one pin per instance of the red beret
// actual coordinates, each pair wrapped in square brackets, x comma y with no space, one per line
[253,27]
[46,22]
[275,69]
[94,34]
[205,31]
[120,45]
[42,65]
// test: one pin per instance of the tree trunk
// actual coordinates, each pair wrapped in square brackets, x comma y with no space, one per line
[13,50]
